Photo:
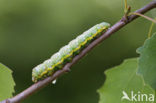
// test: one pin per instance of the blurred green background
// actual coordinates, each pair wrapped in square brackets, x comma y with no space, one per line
[32,30]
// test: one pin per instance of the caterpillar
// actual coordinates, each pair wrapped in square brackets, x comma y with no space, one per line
[66,53]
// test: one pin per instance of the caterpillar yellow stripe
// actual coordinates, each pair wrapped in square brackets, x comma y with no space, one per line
[66,53]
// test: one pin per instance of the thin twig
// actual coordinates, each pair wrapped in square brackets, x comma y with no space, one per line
[37,86]
[150,30]
[146,17]
[125,2]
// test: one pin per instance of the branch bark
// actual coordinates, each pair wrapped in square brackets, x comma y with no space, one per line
[37,86]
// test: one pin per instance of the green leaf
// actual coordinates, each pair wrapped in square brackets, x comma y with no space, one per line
[147,61]
[6,82]
[121,79]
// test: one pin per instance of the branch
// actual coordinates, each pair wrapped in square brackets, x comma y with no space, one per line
[146,17]
[37,86]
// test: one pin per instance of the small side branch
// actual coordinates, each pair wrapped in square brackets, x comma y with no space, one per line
[37,86]
[146,17]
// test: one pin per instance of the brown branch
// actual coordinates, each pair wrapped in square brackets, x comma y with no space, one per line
[37,86]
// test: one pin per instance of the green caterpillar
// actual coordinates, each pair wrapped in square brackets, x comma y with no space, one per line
[66,53]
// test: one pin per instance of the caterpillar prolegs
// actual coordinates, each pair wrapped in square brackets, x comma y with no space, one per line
[66,53]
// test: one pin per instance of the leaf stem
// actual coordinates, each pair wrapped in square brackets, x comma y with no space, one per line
[146,17]
[150,29]
[125,9]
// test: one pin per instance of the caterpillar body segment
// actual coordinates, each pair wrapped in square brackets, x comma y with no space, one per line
[66,53]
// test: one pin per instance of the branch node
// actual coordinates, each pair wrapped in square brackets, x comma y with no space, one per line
[125,19]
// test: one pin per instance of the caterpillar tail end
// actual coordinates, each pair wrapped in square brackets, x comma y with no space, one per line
[34,79]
